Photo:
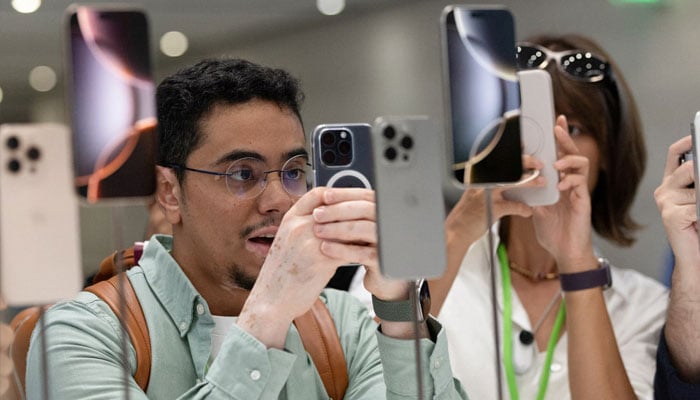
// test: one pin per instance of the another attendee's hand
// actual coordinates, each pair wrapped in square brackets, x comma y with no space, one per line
[676,203]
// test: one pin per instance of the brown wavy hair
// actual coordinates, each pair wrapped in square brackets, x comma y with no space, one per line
[607,111]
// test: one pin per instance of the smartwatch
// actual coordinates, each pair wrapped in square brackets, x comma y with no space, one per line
[588,279]
[402,311]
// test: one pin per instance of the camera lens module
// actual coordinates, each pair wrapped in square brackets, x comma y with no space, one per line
[12,143]
[33,153]
[389,132]
[14,165]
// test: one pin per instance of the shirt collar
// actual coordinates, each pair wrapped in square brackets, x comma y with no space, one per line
[170,284]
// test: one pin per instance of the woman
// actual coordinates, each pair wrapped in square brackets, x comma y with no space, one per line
[588,343]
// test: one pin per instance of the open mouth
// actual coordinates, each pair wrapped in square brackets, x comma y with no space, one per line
[265,239]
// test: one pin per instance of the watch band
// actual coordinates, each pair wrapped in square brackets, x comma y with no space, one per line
[402,311]
[587,279]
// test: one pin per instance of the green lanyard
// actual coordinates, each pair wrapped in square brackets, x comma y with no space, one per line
[508,333]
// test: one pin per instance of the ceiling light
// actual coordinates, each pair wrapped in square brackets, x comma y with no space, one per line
[0,95]
[26,6]
[173,44]
[330,7]
[42,78]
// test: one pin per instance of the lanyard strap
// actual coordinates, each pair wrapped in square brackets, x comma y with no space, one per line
[508,333]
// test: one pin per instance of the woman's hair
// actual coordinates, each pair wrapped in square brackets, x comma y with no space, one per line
[606,111]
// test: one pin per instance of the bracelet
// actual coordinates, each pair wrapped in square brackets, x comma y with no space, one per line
[587,279]
[402,311]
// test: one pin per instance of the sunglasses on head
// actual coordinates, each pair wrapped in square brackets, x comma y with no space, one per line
[580,65]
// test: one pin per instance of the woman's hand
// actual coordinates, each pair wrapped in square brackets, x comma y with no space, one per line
[564,228]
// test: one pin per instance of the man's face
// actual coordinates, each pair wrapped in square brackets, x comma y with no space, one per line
[222,237]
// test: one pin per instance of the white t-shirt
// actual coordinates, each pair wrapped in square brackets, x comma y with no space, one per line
[636,305]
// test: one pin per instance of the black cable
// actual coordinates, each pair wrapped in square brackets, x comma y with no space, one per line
[494,300]
[415,286]
[117,217]
[44,356]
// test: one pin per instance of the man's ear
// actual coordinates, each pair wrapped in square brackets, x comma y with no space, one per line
[168,194]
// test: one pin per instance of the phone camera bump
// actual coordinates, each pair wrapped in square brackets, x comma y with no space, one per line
[328,138]
[390,153]
[389,132]
[344,147]
[328,157]
[33,153]
[12,143]
[14,166]
[407,142]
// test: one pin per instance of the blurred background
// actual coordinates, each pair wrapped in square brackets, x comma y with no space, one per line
[371,58]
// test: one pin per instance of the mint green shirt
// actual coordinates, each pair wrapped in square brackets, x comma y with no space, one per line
[84,356]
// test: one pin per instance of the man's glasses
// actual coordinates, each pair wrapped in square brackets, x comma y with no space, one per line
[580,65]
[246,178]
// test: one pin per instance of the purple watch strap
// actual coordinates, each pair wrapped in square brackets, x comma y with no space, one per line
[587,279]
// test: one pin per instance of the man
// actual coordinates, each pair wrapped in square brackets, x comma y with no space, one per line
[678,356]
[250,251]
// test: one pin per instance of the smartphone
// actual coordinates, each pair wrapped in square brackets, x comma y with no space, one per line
[408,161]
[342,155]
[537,132]
[694,126]
[112,102]
[482,95]
[40,261]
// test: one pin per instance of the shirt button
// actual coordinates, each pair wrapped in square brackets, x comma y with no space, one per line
[437,364]
[183,325]
[255,374]
[200,309]
[555,367]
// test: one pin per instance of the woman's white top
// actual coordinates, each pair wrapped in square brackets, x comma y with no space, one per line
[636,305]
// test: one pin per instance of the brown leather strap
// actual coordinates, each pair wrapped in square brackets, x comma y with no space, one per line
[135,322]
[321,341]
[22,325]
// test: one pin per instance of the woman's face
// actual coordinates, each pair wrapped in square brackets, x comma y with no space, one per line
[588,146]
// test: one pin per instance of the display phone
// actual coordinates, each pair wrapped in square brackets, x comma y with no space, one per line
[694,127]
[408,161]
[537,133]
[112,102]
[482,95]
[342,155]
[40,259]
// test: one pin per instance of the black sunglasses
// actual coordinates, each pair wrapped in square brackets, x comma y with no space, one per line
[579,65]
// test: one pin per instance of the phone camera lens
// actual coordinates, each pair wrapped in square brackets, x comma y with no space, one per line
[389,132]
[328,157]
[328,138]
[14,165]
[33,153]
[344,147]
[406,142]
[390,153]
[12,143]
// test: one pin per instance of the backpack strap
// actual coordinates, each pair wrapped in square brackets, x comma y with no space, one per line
[320,338]
[134,322]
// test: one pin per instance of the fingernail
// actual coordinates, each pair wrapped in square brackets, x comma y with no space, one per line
[318,213]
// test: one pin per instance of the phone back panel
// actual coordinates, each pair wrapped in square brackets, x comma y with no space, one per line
[342,155]
[39,219]
[537,128]
[408,163]
[695,133]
